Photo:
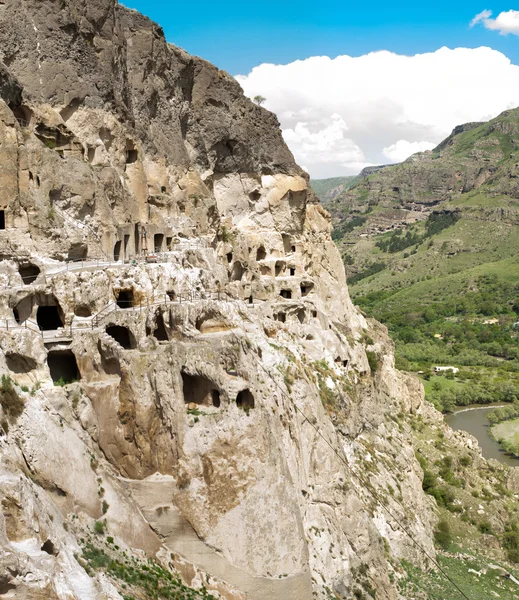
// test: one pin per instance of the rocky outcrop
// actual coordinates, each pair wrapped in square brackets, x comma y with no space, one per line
[190,374]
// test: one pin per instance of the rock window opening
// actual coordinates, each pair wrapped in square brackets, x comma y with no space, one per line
[245,400]
[163,189]
[169,242]
[255,195]
[63,366]
[286,294]
[160,332]
[126,242]
[37,181]
[117,250]
[306,288]
[286,243]
[2,219]
[251,300]
[48,318]
[314,314]
[281,317]
[200,390]
[158,241]
[29,273]
[91,154]
[125,299]
[344,363]
[293,248]
[122,335]
[229,257]
[292,271]
[265,270]
[301,316]
[18,363]
[261,253]
[278,269]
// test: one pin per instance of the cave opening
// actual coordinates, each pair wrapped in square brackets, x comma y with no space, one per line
[117,250]
[245,400]
[122,335]
[306,288]
[82,310]
[160,333]
[18,363]
[28,272]
[2,219]
[158,241]
[261,253]
[278,269]
[126,242]
[200,390]
[229,257]
[136,238]
[63,367]
[286,294]
[292,271]
[237,271]
[169,242]
[48,318]
[131,153]
[49,548]
[78,251]
[125,298]
[301,315]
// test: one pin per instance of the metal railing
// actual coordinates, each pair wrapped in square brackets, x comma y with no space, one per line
[181,298]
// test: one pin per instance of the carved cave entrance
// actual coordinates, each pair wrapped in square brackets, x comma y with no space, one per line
[122,335]
[29,273]
[63,366]
[245,400]
[125,299]
[48,318]
[200,390]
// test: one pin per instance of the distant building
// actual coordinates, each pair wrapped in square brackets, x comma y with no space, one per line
[442,369]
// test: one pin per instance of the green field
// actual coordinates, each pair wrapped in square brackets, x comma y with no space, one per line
[507,431]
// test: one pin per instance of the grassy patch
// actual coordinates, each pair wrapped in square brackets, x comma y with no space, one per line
[138,579]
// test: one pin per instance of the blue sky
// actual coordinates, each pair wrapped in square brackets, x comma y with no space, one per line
[357,83]
[238,35]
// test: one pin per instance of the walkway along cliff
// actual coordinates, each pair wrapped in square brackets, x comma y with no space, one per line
[224,411]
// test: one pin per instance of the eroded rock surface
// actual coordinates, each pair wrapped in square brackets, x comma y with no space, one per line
[198,379]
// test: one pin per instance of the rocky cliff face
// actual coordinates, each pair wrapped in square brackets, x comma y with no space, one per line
[196,384]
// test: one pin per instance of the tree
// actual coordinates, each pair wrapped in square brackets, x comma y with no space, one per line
[259,100]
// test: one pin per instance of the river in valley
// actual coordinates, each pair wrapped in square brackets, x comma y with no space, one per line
[474,421]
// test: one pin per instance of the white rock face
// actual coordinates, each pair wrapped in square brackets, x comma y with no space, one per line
[199,379]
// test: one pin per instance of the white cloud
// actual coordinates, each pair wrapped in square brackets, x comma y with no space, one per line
[341,114]
[325,142]
[404,149]
[505,22]
[482,16]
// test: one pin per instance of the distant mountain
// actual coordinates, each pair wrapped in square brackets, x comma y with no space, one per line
[328,189]
[434,242]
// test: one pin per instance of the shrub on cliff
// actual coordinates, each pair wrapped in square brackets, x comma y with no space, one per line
[11,403]
[443,535]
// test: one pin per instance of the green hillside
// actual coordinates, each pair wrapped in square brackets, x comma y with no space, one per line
[328,189]
[431,248]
